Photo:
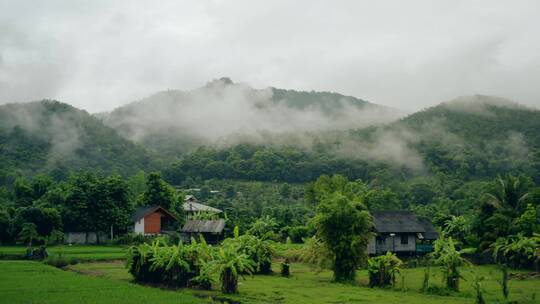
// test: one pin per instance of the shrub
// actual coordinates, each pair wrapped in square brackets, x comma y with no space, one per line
[479,291]
[60,261]
[174,266]
[297,233]
[382,270]
[446,256]
[230,264]
[517,251]
[285,269]
[257,250]
[36,253]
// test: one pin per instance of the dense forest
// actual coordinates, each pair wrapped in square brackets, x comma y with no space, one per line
[470,165]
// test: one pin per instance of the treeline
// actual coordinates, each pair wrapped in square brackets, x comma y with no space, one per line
[272,163]
[40,209]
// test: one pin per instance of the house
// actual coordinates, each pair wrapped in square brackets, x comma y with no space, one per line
[191,206]
[211,230]
[153,220]
[401,232]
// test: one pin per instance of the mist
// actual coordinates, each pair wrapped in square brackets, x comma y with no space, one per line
[100,55]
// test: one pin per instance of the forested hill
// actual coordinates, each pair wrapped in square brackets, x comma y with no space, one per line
[175,122]
[53,137]
[477,136]
[470,138]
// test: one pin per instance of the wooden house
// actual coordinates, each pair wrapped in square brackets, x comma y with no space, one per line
[401,232]
[211,230]
[153,220]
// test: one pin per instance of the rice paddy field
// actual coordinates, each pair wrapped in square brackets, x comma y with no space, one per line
[109,282]
[79,252]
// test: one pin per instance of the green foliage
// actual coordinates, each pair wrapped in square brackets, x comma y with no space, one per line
[285,268]
[28,233]
[382,270]
[264,228]
[55,138]
[449,259]
[343,226]
[259,251]
[60,261]
[504,282]
[174,266]
[478,289]
[230,264]
[157,192]
[517,251]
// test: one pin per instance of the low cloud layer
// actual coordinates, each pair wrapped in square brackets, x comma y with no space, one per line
[98,55]
[221,110]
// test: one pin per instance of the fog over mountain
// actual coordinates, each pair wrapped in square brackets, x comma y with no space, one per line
[223,110]
[99,55]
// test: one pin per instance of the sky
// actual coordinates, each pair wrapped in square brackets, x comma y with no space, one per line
[98,55]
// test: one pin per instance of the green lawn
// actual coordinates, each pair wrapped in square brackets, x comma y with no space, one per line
[34,282]
[80,252]
[308,286]
[109,282]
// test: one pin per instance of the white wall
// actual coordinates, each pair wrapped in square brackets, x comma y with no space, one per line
[139,226]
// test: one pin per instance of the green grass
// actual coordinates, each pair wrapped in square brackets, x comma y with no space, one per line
[33,282]
[308,286]
[80,252]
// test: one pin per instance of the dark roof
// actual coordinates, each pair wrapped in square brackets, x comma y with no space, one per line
[196,207]
[146,210]
[430,231]
[396,221]
[212,226]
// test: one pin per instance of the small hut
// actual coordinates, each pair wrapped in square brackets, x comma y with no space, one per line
[211,230]
[401,232]
[153,220]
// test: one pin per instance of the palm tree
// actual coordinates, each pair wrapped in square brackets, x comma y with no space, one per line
[509,194]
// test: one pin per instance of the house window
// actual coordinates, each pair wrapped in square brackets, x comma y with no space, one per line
[404,239]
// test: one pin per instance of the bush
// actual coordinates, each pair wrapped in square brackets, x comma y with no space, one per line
[174,266]
[60,261]
[36,253]
[257,250]
[297,233]
[382,270]
[285,269]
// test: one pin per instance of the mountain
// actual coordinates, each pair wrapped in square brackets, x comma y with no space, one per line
[175,122]
[53,137]
[470,138]
[476,136]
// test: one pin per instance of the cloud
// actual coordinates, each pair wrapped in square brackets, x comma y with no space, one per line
[98,55]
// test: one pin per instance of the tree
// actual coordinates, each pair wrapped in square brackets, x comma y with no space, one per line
[45,220]
[382,199]
[157,192]
[230,264]
[28,233]
[344,228]
[383,269]
[446,256]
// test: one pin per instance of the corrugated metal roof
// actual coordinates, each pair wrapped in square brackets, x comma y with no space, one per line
[211,226]
[396,221]
[196,207]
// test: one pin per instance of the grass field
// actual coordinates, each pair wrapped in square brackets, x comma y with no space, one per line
[109,282]
[99,279]
[34,282]
[80,252]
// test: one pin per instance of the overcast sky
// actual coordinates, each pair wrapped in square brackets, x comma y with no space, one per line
[98,55]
